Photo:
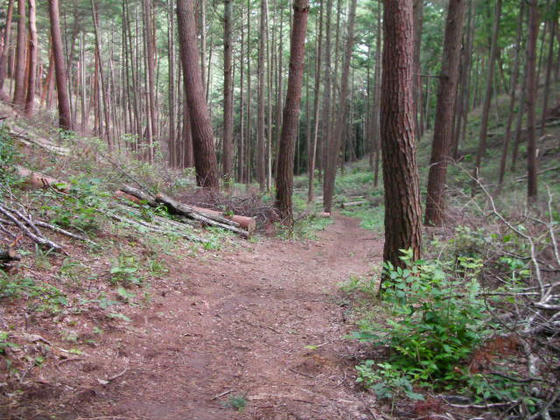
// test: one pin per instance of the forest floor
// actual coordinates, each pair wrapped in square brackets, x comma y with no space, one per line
[254,331]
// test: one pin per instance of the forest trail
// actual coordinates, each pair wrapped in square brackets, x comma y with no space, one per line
[264,321]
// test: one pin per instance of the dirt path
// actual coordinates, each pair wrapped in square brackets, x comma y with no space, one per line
[262,322]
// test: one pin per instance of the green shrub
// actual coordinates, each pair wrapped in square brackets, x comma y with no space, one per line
[436,319]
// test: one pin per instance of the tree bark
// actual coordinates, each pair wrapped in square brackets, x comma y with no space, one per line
[21,48]
[335,144]
[418,12]
[285,173]
[488,96]
[260,155]
[513,89]
[403,224]
[227,158]
[443,126]
[5,48]
[531,98]
[202,135]
[33,51]
[549,65]
[65,117]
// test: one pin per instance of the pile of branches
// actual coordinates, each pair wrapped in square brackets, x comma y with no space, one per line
[17,222]
[531,312]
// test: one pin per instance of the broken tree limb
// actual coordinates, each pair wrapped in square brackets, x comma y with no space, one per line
[39,180]
[136,195]
[184,210]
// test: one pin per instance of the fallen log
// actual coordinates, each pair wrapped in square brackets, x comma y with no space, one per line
[247,223]
[175,207]
[39,180]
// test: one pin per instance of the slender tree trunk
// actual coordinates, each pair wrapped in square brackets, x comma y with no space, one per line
[418,12]
[443,126]
[549,65]
[104,95]
[260,164]
[64,115]
[334,146]
[313,151]
[21,49]
[488,97]
[5,48]
[376,134]
[241,142]
[531,99]
[227,158]
[33,50]
[513,89]
[173,156]
[285,173]
[326,114]
[403,225]
[202,135]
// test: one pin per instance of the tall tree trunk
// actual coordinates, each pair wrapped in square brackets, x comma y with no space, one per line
[21,49]
[326,113]
[241,142]
[6,35]
[488,96]
[403,225]
[173,156]
[334,146]
[285,173]
[418,12]
[33,50]
[313,151]
[260,155]
[103,86]
[549,65]
[227,157]
[150,67]
[376,134]
[513,90]
[531,99]
[202,135]
[443,126]
[64,115]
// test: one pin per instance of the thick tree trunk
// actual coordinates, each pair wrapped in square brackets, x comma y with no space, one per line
[531,99]
[5,48]
[64,115]
[334,146]
[403,225]
[21,49]
[285,173]
[227,158]
[33,51]
[443,126]
[202,135]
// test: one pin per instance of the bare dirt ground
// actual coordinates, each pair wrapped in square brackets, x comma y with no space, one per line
[261,323]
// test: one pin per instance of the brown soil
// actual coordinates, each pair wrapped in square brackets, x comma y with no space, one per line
[262,321]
